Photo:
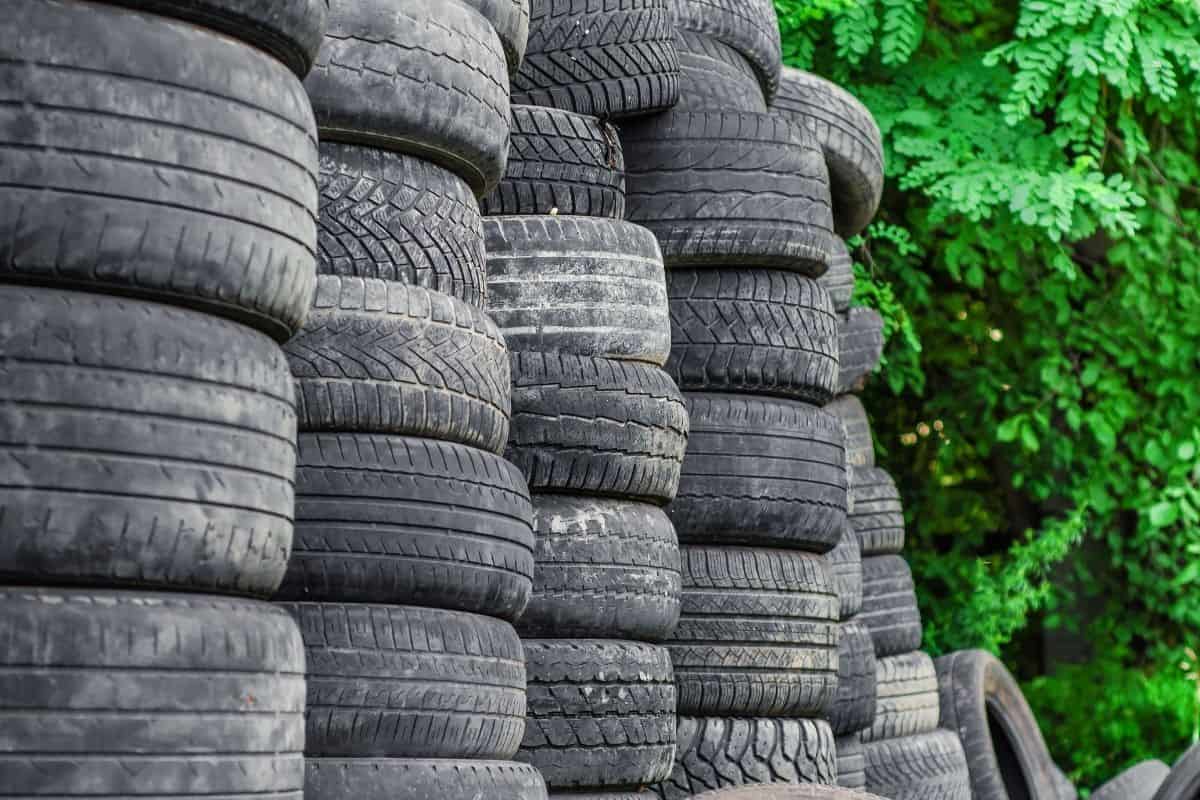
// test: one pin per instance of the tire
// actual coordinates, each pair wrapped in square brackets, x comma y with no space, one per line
[930,766]
[407,682]
[907,697]
[1066,789]
[853,709]
[878,516]
[720,752]
[729,189]
[757,634]
[860,347]
[601,713]
[421,779]
[748,26]
[760,471]
[852,762]
[714,77]
[597,426]
[389,519]
[860,445]
[157,160]
[605,568]
[851,141]
[839,279]
[447,63]
[93,707]
[1183,782]
[588,287]
[786,791]
[1139,782]
[602,795]
[845,562]
[982,704]
[752,331]
[399,218]
[890,605]
[599,57]
[143,446]
[510,20]
[560,162]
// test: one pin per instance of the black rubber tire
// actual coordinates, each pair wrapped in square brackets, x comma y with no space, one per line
[149,157]
[906,697]
[605,568]
[860,347]
[719,752]
[420,779]
[729,189]
[510,20]
[786,791]
[399,218]
[408,682]
[839,279]
[878,515]
[755,331]
[760,471]
[590,287]
[603,795]
[389,519]
[860,445]
[1183,782]
[596,426]
[560,162]
[983,705]
[852,762]
[715,77]
[1139,782]
[854,707]
[757,633]
[851,141]
[929,766]
[748,26]
[890,605]
[1066,789]
[601,712]
[445,61]
[128,693]
[599,57]
[143,445]
[384,357]
[845,562]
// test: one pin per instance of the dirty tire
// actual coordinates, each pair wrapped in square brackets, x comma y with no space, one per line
[851,141]
[860,446]
[408,682]
[852,762]
[157,160]
[596,426]
[729,189]
[845,562]
[1139,782]
[603,795]
[983,705]
[442,57]
[399,218]
[854,707]
[839,279]
[510,20]
[589,287]
[601,713]
[715,77]
[1183,782]
[1066,789]
[605,568]
[719,752]
[907,697]
[216,711]
[599,57]
[390,519]
[143,445]
[929,766]
[761,471]
[421,779]
[860,346]
[878,515]
[890,605]
[786,791]
[560,162]
[748,26]
[757,633]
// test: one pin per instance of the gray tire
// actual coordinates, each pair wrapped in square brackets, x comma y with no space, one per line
[860,446]
[839,279]
[890,605]
[929,766]
[878,515]
[510,20]
[845,561]
[857,694]
[906,704]
[860,347]
[852,762]
[421,779]
[748,26]
[786,791]
[715,77]
[1139,782]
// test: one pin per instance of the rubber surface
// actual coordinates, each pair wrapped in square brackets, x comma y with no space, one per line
[890,605]
[845,562]
[748,26]
[1066,789]
[1139,782]
[715,77]
[878,515]
[852,762]
[860,445]
[907,697]
[860,347]
[786,791]
[1183,782]
[857,689]
[510,20]
[421,779]
[839,279]
[930,766]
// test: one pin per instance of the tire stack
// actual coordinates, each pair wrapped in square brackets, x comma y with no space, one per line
[159,165]
[414,545]
[598,429]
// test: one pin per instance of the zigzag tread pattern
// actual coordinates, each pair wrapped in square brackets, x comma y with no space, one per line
[839,280]
[748,26]
[928,766]
[845,562]
[854,706]
[714,75]
[907,697]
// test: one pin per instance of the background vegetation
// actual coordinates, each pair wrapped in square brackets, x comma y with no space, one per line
[1038,262]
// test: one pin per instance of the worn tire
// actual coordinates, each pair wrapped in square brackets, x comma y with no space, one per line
[760,471]
[596,426]
[421,779]
[1066,789]
[906,697]
[755,331]
[715,77]
[390,519]
[510,20]
[878,515]
[130,693]
[399,218]
[589,287]
[1139,782]
[748,26]
[845,562]
[890,605]
[442,57]
[605,568]
[560,162]
[786,791]
[153,158]
[854,707]
[719,752]
[929,766]
[852,762]
[1183,782]
[599,57]
[603,795]
[142,445]
[850,139]
[729,189]
[860,446]
[860,347]
[601,712]
[839,279]
[408,682]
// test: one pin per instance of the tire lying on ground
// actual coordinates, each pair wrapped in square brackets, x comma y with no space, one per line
[860,346]
[857,693]
[929,766]
[878,516]
[714,76]
[906,697]
[143,445]
[158,160]
[851,761]
[845,562]
[839,279]
[422,779]
[749,27]
[1139,782]
[860,447]
[510,20]
[890,605]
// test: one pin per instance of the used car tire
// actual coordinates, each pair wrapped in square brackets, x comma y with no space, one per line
[854,705]
[1139,782]
[510,20]
[878,515]
[786,791]
[890,605]
[929,766]
[421,779]
[750,27]
[906,704]
[839,279]
[845,561]
[715,77]
[852,762]
[860,347]
[860,446]
[1183,781]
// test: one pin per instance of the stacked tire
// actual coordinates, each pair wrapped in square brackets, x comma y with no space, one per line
[159,241]
[414,544]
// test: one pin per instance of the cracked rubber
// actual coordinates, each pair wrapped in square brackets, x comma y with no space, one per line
[601,712]
[878,515]
[890,605]
[845,562]
[860,347]
[854,706]
[860,446]
[906,697]
[929,766]
[852,762]
[748,26]
[510,20]
[1139,782]
[421,779]
[839,279]
[715,77]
